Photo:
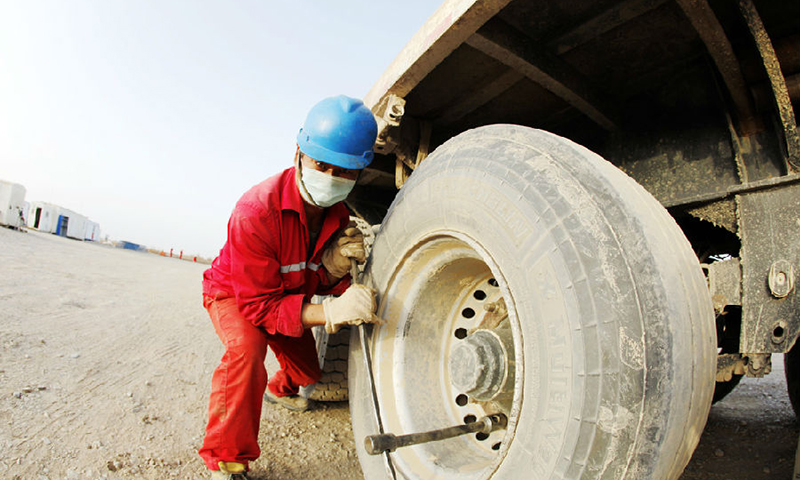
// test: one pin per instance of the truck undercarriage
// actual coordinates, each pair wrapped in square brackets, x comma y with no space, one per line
[693,100]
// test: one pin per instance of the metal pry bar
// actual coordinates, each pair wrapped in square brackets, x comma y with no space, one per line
[362,336]
[387,442]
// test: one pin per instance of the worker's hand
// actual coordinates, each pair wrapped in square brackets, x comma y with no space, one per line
[354,307]
[349,244]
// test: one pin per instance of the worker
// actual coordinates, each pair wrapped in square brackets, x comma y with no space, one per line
[289,238]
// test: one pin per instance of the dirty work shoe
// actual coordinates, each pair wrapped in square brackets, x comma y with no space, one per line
[229,471]
[295,403]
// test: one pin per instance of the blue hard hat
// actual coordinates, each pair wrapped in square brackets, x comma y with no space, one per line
[340,131]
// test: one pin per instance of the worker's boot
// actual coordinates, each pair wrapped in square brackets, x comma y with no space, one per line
[295,403]
[229,471]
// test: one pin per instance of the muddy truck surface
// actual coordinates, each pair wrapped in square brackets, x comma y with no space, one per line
[589,227]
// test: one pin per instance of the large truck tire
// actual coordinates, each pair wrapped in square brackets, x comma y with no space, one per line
[728,333]
[332,350]
[520,273]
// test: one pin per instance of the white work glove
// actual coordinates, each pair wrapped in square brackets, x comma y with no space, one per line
[349,244]
[354,307]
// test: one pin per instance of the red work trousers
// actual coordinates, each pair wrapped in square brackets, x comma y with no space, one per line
[237,386]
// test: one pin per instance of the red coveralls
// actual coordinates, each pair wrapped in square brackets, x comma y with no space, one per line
[254,292]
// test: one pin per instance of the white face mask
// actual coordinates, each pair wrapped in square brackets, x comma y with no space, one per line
[325,190]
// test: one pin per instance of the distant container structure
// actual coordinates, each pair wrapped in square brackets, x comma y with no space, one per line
[50,218]
[43,216]
[15,212]
[92,231]
[12,204]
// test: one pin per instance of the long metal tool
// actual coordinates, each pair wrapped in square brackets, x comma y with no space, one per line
[362,336]
[387,442]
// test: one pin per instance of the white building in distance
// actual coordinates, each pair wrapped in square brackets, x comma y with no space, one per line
[47,217]
[12,204]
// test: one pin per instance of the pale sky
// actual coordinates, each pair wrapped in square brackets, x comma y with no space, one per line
[152,117]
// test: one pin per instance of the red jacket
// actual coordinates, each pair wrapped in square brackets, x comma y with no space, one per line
[265,262]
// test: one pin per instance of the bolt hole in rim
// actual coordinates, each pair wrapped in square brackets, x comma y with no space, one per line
[435,306]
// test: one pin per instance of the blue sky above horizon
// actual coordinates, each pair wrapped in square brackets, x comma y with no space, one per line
[153,117]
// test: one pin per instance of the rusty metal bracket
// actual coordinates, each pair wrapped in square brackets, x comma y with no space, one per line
[757,364]
[388,115]
[725,283]
[752,365]
[404,164]
[734,190]
[425,128]
[770,253]
[401,173]
[730,364]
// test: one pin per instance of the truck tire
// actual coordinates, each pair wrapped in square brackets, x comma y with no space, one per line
[728,333]
[520,273]
[333,350]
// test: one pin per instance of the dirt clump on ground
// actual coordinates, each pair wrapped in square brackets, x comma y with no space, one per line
[106,358]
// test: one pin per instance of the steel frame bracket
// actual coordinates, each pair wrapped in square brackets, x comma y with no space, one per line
[770,257]
[388,114]
[406,160]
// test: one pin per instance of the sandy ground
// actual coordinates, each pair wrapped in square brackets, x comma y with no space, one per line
[105,371]
[105,364]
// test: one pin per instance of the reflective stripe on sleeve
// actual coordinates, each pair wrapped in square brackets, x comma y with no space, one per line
[299,266]
[293,268]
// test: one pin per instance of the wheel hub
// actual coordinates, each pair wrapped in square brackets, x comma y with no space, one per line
[457,361]
[478,365]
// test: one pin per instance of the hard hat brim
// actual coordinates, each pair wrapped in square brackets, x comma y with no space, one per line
[322,154]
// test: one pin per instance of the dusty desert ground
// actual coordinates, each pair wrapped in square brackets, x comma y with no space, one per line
[105,364]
